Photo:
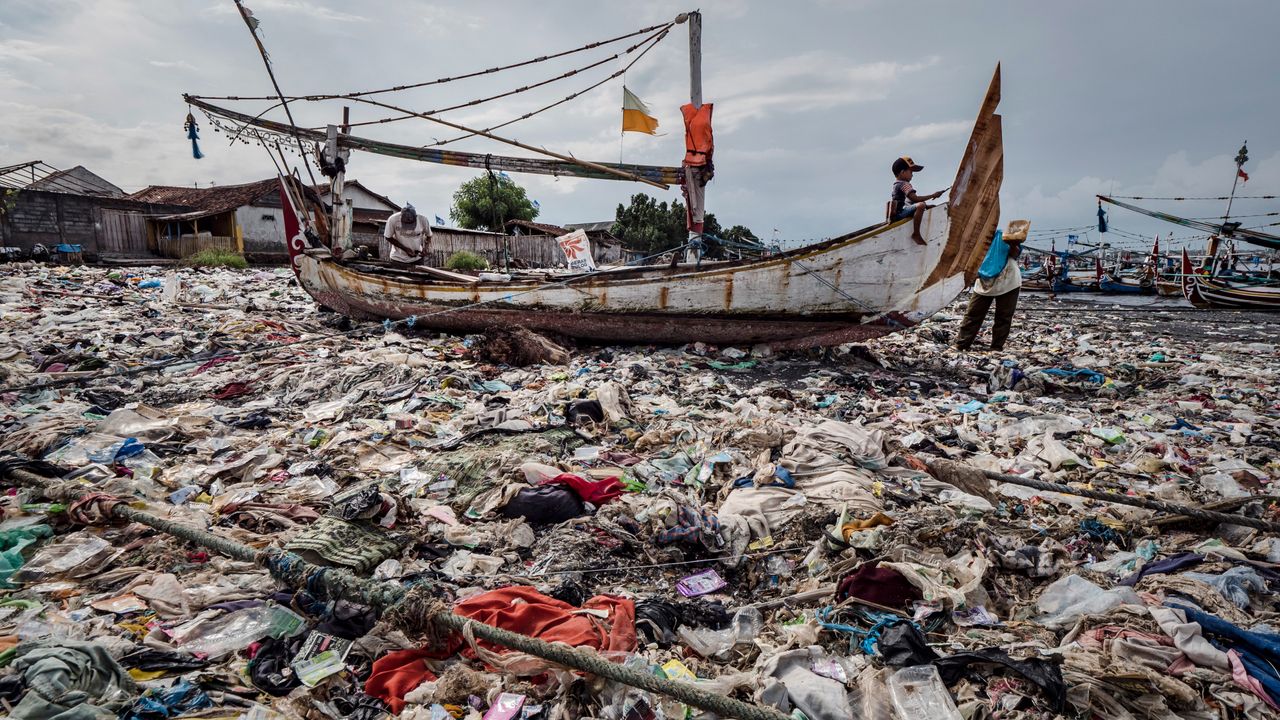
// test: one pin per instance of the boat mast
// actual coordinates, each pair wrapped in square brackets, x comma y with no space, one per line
[695,98]
[1241,158]
[336,157]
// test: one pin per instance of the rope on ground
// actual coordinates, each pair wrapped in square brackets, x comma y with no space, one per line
[385,596]
[1117,498]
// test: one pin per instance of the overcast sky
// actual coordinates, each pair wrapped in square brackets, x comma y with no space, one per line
[814,98]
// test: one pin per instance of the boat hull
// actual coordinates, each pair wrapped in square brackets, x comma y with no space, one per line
[1119,287]
[1209,293]
[841,291]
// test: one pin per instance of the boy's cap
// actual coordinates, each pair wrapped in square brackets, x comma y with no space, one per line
[905,162]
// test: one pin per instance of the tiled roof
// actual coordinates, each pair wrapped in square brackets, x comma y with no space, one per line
[210,200]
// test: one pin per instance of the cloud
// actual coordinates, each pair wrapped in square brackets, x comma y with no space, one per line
[916,135]
[179,64]
[815,80]
[313,10]
[444,21]
[26,51]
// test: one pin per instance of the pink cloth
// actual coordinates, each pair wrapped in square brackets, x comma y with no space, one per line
[1244,680]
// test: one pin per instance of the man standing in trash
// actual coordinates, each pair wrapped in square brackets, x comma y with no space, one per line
[409,236]
[904,202]
[999,281]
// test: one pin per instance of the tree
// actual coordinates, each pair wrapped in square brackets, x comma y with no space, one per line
[487,202]
[741,234]
[648,226]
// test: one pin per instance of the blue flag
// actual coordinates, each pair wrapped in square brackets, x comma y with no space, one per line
[537,204]
[439,220]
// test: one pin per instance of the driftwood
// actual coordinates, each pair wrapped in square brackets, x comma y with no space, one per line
[518,347]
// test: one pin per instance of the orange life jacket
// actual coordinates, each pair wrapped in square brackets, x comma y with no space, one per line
[698,143]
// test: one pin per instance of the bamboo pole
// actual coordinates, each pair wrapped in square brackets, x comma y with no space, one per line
[383,595]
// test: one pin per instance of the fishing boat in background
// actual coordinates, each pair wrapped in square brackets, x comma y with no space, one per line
[851,287]
[1209,291]
[1219,284]
[1067,280]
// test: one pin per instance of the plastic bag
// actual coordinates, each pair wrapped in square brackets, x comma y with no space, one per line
[918,694]
[1073,596]
[74,555]
[12,542]
[216,637]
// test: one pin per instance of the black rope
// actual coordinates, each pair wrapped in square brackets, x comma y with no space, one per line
[439,81]
[1220,197]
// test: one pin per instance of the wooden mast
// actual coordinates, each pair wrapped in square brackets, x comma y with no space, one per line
[695,98]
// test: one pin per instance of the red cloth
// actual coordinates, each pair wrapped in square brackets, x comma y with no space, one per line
[596,492]
[880,585]
[397,673]
[529,612]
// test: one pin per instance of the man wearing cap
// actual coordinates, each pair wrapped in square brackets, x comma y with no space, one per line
[408,235]
[905,202]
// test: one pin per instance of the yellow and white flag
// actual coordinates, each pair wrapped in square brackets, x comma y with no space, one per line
[636,116]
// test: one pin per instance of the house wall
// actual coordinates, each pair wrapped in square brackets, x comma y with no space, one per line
[262,229]
[361,199]
[48,218]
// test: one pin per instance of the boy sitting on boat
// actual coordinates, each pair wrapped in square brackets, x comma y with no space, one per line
[905,202]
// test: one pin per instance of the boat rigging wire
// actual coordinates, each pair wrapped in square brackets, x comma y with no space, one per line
[252,24]
[1221,197]
[487,133]
[439,81]
[482,133]
[469,103]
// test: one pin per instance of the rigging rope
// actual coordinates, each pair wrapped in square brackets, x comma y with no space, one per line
[509,93]
[439,81]
[407,113]
[1220,197]
[652,43]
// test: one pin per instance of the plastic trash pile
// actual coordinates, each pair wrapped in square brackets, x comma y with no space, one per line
[764,526]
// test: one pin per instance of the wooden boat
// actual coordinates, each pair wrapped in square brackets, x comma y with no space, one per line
[1210,292]
[1119,285]
[849,288]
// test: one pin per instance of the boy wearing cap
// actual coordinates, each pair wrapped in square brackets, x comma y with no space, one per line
[905,202]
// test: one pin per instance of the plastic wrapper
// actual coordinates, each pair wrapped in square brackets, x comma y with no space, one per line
[72,555]
[918,694]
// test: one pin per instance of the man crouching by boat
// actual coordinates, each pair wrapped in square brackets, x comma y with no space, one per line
[905,202]
[999,281]
[408,235]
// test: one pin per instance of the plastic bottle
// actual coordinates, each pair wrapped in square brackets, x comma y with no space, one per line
[918,694]
[747,625]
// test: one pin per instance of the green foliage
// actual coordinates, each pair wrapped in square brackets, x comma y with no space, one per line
[8,200]
[742,234]
[213,257]
[487,202]
[648,226]
[466,260]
